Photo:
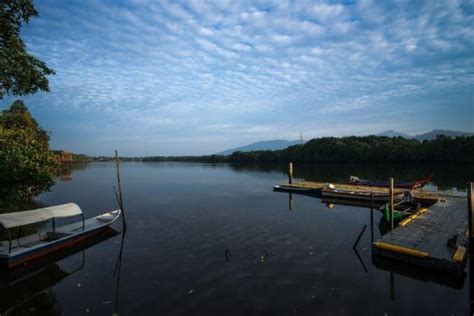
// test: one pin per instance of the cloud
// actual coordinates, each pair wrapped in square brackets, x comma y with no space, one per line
[167,65]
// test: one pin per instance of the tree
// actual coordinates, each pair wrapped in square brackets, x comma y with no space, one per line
[26,164]
[18,117]
[20,72]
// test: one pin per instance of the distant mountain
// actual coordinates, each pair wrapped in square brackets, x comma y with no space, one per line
[282,144]
[425,136]
[392,133]
[432,135]
[263,145]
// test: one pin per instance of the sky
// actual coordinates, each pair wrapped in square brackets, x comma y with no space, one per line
[198,77]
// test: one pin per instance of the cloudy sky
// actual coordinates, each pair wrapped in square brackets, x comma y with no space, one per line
[197,77]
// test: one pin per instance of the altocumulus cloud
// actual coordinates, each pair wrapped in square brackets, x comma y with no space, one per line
[193,77]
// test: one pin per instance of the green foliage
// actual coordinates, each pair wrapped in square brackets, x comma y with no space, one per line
[18,117]
[26,165]
[208,158]
[79,158]
[369,149]
[20,72]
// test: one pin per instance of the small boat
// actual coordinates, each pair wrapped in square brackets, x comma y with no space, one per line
[361,203]
[25,248]
[401,210]
[344,194]
[409,185]
[21,286]
[297,190]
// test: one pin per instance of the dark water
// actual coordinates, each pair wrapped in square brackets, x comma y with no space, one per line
[215,240]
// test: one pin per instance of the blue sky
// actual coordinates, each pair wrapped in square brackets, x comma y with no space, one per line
[198,77]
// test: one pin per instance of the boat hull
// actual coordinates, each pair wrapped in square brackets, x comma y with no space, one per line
[360,196]
[296,190]
[411,185]
[401,210]
[70,241]
[12,260]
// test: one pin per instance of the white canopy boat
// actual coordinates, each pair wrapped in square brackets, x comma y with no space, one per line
[23,249]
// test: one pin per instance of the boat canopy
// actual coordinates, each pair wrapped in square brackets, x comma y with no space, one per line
[10,220]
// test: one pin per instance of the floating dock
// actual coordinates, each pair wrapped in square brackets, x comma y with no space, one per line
[315,189]
[436,237]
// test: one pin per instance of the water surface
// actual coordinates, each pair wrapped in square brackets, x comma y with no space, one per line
[208,239]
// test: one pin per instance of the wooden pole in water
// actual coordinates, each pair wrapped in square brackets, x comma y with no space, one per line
[470,225]
[290,201]
[371,217]
[290,173]
[391,203]
[470,202]
[392,287]
[120,191]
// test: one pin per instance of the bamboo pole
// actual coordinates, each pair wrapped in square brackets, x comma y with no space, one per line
[371,217]
[470,202]
[391,203]
[470,224]
[290,201]
[290,173]
[120,199]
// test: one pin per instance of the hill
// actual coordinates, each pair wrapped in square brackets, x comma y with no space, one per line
[262,145]
[392,133]
[425,136]
[280,144]
[432,135]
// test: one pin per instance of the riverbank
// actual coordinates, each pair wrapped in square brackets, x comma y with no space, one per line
[367,149]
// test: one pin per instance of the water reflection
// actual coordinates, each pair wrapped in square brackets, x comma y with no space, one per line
[357,252]
[395,267]
[66,171]
[117,273]
[21,296]
[215,240]
[28,289]
[446,176]
[417,273]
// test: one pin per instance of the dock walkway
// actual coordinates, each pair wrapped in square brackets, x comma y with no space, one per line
[315,188]
[424,240]
[421,241]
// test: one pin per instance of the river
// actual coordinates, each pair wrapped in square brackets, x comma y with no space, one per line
[213,239]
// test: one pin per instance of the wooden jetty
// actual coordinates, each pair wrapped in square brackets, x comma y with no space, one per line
[436,237]
[316,188]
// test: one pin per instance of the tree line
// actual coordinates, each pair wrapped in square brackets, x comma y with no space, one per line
[370,149]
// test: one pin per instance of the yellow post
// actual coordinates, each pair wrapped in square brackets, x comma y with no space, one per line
[470,228]
[391,202]
[290,173]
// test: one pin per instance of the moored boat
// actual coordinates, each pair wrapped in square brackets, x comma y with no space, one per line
[408,185]
[330,193]
[297,190]
[401,210]
[14,252]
